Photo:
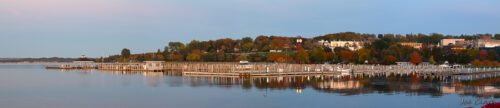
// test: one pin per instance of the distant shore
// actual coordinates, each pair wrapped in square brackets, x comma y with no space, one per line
[31,62]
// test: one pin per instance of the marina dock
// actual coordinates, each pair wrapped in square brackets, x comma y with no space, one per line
[275,69]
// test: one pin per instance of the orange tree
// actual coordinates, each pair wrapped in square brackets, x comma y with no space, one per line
[415,58]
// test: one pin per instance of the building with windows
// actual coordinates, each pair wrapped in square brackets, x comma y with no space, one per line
[412,44]
[447,42]
[351,45]
[486,43]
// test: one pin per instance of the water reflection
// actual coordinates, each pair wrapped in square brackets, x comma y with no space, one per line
[479,85]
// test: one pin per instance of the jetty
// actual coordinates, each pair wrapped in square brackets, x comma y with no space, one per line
[81,63]
[277,69]
[67,66]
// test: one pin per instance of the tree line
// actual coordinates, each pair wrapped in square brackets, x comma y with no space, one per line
[378,49]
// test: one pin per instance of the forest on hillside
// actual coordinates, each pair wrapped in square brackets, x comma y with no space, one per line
[378,49]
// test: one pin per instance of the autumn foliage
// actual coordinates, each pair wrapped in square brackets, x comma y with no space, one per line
[302,56]
[415,58]
[381,48]
[347,56]
[484,63]
[388,59]
[280,58]
[193,57]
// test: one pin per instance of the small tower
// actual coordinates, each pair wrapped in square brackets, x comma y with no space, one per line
[298,45]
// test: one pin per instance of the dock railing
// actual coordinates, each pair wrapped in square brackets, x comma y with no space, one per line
[233,68]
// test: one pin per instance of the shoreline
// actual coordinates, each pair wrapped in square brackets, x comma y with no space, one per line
[31,62]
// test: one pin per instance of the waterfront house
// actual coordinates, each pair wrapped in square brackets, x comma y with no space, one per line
[153,64]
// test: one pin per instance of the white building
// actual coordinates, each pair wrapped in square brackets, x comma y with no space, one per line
[412,44]
[324,42]
[486,43]
[351,45]
[446,42]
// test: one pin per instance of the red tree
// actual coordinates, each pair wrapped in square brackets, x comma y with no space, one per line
[347,56]
[477,63]
[483,54]
[415,58]
[274,57]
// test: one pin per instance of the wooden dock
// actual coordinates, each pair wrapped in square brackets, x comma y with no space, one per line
[274,69]
[71,67]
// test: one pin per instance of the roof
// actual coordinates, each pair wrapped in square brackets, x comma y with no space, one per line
[408,60]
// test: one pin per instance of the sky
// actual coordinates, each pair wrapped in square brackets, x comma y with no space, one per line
[70,28]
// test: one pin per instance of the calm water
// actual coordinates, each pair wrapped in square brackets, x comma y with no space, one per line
[30,85]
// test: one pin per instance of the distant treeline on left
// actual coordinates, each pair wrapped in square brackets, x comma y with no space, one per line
[51,59]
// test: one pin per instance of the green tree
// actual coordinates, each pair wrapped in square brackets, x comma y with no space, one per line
[426,52]
[437,54]
[319,55]
[241,57]
[125,53]
[383,43]
[159,55]
[261,42]
[265,48]
[497,36]
[165,53]
[464,58]
[175,46]
[363,55]
[474,53]
[229,57]
[451,58]
[247,47]
[302,56]
[246,40]
[193,57]
[195,44]
[492,55]
[140,58]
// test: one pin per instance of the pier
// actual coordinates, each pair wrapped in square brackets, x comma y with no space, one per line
[276,69]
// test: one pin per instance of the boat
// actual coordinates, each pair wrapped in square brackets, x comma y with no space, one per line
[244,65]
[343,71]
[62,67]
[445,65]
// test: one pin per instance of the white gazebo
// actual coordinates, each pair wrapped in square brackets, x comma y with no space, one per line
[84,62]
